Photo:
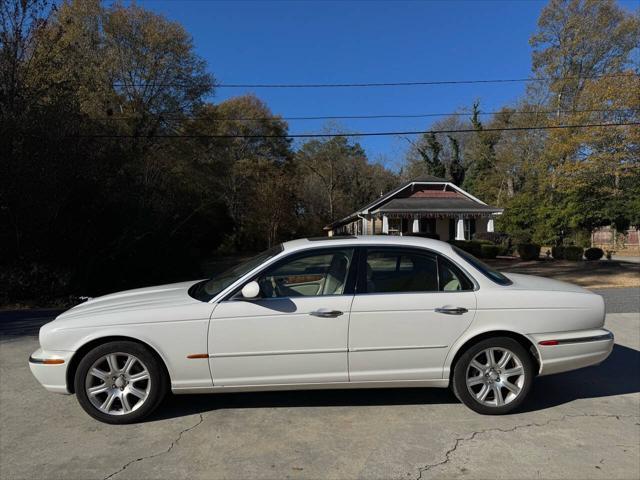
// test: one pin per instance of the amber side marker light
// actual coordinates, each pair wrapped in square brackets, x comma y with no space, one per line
[548,343]
[46,361]
[198,355]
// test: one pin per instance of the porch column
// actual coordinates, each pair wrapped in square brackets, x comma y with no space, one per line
[385,225]
[460,229]
[364,226]
[416,225]
[490,225]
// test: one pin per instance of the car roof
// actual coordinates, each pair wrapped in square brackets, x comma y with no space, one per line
[355,240]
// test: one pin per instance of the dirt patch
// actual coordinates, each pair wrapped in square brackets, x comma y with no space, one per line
[596,274]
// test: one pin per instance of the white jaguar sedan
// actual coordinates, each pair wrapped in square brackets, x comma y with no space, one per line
[341,312]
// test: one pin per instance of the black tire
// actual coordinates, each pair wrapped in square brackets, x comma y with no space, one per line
[156,388]
[461,367]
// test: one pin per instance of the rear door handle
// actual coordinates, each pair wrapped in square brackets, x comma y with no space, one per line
[451,310]
[326,313]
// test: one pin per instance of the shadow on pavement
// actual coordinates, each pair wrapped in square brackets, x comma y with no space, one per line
[618,375]
[180,405]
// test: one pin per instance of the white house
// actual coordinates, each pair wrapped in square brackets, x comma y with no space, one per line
[426,205]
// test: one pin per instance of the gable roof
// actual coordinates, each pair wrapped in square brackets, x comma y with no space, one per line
[391,193]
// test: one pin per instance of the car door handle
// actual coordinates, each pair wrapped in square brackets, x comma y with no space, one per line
[451,310]
[326,313]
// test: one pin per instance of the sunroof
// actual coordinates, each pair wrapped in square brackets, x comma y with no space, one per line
[335,237]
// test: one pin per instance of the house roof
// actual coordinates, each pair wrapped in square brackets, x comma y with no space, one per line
[391,193]
[437,205]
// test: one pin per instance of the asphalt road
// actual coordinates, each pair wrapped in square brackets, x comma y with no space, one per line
[583,424]
[620,300]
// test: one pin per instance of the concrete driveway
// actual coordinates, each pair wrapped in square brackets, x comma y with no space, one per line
[584,424]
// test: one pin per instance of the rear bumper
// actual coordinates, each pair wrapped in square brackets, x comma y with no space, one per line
[573,350]
[52,376]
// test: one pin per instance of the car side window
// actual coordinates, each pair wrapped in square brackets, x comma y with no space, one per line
[451,278]
[406,271]
[389,271]
[311,274]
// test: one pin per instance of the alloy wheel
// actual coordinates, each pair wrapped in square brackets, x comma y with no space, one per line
[495,377]
[118,383]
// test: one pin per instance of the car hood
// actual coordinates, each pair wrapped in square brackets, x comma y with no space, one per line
[148,298]
[531,282]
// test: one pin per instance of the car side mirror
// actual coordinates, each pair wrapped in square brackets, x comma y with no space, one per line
[251,290]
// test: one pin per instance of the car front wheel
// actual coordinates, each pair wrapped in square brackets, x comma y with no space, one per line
[494,376]
[120,382]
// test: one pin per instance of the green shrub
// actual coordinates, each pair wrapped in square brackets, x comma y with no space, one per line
[472,247]
[492,237]
[490,251]
[529,251]
[593,253]
[573,253]
[557,252]
[496,238]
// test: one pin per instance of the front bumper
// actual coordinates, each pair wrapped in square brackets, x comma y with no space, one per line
[52,376]
[573,350]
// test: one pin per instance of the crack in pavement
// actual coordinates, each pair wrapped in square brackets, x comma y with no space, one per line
[460,440]
[173,444]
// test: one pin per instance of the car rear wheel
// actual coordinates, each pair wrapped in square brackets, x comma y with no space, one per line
[494,376]
[120,382]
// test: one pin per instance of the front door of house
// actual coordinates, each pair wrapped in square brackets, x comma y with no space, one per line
[428,225]
[406,226]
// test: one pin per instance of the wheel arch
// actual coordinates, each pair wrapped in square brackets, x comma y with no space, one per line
[90,345]
[523,340]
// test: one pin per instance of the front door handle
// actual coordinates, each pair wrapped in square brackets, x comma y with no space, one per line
[451,310]
[326,313]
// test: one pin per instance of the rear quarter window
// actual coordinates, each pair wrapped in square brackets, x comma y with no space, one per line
[486,270]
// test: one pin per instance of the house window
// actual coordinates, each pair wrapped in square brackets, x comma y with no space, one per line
[469,228]
[395,226]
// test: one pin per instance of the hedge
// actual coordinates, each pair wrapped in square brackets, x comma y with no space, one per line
[472,247]
[573,253]
[557,252]
[490,251]
[492,237]
[593,253]
[528,251]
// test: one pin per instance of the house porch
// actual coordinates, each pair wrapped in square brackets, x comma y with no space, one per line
[446,227]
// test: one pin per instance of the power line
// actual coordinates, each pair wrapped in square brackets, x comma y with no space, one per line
[382,116]
[376,84]
[362,134]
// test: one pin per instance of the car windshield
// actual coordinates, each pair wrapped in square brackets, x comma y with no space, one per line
[487,271]
[207,289]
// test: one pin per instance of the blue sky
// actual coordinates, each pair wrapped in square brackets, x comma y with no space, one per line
[363,41]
